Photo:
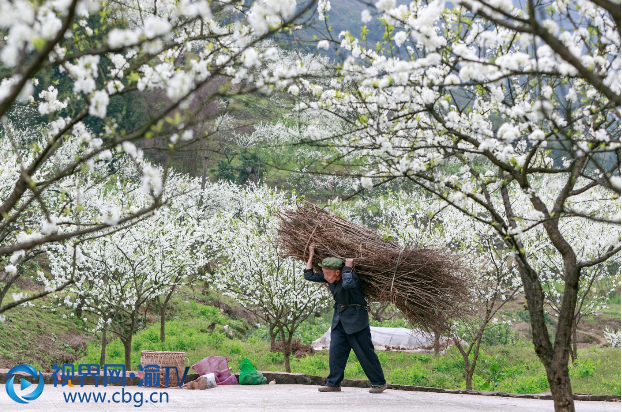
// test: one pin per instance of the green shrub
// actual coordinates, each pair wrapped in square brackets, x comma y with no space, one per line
[492,372]
[235,348]
[354,369]
[444,380]
[419,375]
[526,384]
[479,383]
[276,357]
[312,365]
[524,316]
[514,370]
[216,339]
[311,330]
[210,312]
[452,361]
[583,368]
[400,376]
[259,334]
[414,375]
[382,357]
[421,357]
[499,334]
[352,357]
[614,298]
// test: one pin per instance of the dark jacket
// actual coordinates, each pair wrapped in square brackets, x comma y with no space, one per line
[346,291]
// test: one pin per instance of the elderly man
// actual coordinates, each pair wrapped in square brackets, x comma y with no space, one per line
[350,326]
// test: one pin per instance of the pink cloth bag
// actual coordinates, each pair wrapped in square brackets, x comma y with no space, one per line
[217,365]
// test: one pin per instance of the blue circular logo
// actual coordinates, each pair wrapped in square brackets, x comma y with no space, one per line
[10,384]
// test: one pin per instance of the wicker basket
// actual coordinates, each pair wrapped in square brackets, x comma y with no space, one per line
[177,359]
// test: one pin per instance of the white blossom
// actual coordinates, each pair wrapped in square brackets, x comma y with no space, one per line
[367,183]
[323,44]
[99,104]
[323,6]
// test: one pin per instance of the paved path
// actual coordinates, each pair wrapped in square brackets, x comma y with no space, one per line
[298,398]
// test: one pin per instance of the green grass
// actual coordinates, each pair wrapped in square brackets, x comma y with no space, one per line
[612,309]
[615,297]
[597,371]
[40,337]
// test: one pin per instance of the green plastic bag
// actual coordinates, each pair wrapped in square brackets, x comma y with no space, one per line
[249,375]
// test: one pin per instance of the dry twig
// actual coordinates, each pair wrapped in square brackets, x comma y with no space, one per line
[427,285]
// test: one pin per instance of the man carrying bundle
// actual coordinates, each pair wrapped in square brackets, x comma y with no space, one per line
[350,326]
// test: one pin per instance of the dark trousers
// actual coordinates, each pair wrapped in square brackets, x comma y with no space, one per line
[340,345]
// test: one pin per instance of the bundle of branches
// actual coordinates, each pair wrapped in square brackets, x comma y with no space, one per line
[427,285]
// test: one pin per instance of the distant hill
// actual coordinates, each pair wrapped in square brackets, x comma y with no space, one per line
[344,15]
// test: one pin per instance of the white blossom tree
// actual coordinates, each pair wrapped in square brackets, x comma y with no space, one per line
[104,51]
[612,337]
[488,105]
[118,274]
[77,202]
[252,271]
[591,239]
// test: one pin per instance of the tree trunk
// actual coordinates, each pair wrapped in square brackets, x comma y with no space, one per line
[272,339]
[162,320]
[163,311]
[559,382]
[286,358]
[287,344]
[79,307]
[377,314]
[145,314]
[465,358]
[127,345]
[554,357]
[468,374]
[437,342]
[468,379]
[102,356]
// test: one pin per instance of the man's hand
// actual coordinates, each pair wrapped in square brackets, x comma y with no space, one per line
[310,260]
[350,263]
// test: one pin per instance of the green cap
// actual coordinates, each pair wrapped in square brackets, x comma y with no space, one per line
[332,263]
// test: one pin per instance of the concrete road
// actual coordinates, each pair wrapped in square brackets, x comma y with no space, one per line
[299,398]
